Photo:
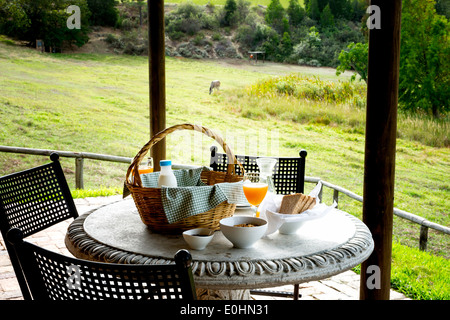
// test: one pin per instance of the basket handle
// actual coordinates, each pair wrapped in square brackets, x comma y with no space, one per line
[162,134]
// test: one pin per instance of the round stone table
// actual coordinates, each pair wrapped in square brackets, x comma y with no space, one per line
[321,248]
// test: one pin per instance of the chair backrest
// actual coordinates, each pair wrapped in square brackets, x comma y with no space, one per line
[33,200]
[289,173]
[53,276]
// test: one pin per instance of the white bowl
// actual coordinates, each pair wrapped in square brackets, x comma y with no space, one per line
[243,237]
[198,238]
[290,227]
[288,223]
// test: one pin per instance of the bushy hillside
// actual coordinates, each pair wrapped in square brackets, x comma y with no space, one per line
[211,31]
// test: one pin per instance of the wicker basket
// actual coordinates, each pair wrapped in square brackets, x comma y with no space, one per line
[148,200]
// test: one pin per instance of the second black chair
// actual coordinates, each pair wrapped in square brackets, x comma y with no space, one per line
[289,172]
[53,276]
[34,200]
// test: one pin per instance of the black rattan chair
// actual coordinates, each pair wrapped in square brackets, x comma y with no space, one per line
[34,200]
[288,177]
[289,173]
[53,276]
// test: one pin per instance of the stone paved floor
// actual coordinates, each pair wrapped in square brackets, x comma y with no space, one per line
[344,286]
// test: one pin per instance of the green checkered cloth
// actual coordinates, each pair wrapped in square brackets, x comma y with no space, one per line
[192,196]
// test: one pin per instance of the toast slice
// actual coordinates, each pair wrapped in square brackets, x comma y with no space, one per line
[296,203]
[309,202]
[292,203]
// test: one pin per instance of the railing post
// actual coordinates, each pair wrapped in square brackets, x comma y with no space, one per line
[336,196]
[423,238]
[320,193]
[79,183]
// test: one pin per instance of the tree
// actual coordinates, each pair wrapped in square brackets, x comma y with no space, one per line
[104,12]
[295,12]
[356,59]
[242,11]
[230,11]
[340,8]
[286,44]
[424,60]
[443,8]
[357,9]
[314,10]
[326,17]
[274,15]
[308,50]
[13,10]
[45,20]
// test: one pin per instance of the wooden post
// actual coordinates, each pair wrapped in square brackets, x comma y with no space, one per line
[157,77]
[423,238]
[79,182]
[381,127]
[336,197]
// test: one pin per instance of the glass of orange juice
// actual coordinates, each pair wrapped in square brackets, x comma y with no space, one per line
[146,166]
[254,189]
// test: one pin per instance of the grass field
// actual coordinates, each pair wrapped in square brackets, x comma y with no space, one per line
[99,103]
[284,3]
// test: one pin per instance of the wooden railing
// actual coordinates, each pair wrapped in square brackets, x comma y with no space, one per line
[424,223]
[79,184]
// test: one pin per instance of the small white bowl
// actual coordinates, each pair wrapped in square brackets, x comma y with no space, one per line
[243,237]
[198,238]
[290,227]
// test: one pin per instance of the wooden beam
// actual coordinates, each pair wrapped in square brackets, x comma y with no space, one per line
[381,129]
[157,77]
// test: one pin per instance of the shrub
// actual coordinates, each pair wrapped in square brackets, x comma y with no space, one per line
[190,26]
[127,24]
[188,50]
[187,18]
[176,35]
[216,36]
[199,39]
[209,22]
[245,36]
[225,49]
[187,10]
[313,89]
[114,41]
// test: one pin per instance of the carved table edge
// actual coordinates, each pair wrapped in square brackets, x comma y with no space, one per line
[216,274]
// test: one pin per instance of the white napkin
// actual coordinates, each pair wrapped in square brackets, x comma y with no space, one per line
[272,203]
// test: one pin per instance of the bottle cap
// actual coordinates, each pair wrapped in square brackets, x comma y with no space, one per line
[164,163]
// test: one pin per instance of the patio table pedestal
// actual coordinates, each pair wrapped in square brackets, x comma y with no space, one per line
[321,248]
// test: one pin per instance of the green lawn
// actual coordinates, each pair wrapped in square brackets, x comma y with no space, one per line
[99,103]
